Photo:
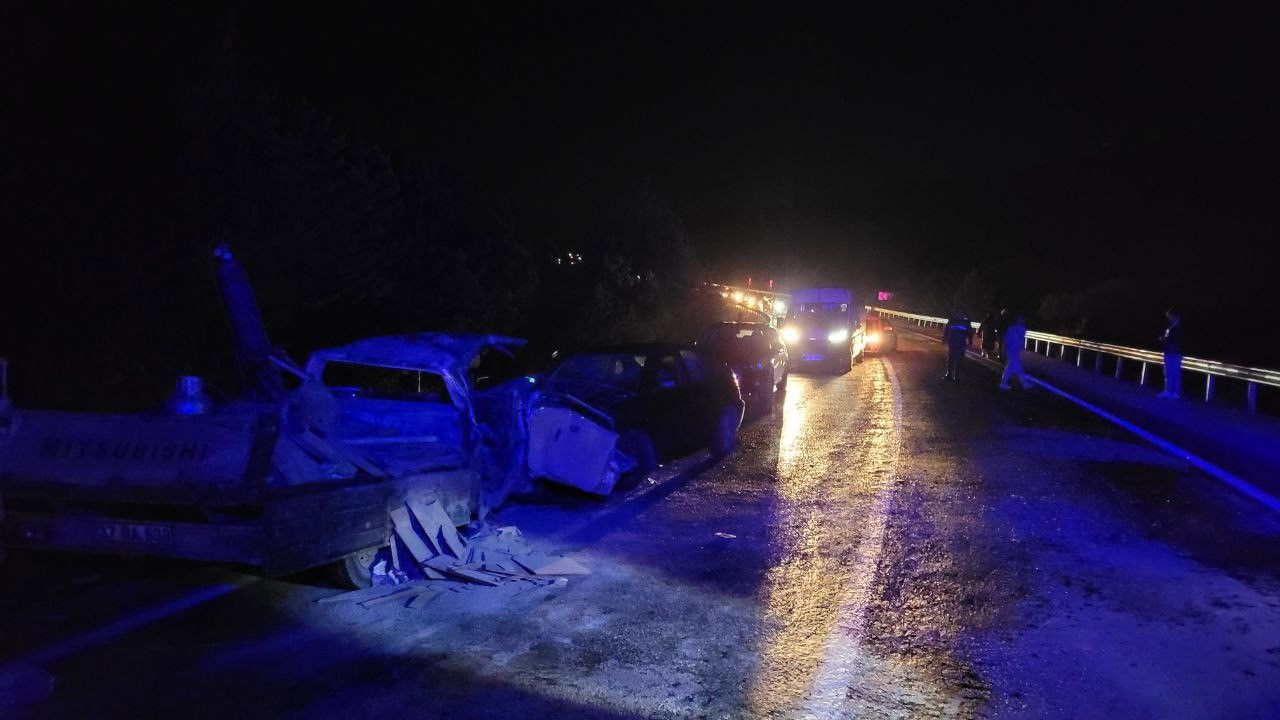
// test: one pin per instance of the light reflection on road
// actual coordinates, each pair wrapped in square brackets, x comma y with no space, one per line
[833,484]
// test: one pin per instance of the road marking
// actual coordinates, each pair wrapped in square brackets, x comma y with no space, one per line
[1230,479]
[844,659]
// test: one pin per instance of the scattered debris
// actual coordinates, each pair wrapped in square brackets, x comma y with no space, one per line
[428,556]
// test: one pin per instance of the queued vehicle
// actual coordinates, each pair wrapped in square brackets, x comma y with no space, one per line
[756,354]
[600,414]
[824,330]
[881,337]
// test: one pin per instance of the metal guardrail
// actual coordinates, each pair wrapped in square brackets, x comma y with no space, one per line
[1211,369]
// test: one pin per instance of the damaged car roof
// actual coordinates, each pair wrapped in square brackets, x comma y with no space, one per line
[427,351]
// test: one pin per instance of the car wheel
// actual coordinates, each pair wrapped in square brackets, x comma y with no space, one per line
[637,445]
[782,384]
[726,431]
[846,366]
[355,571]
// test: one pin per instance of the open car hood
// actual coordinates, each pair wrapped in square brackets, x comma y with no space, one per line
[448,355]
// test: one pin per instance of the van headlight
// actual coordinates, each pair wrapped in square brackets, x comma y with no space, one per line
[791,334]
[838,336]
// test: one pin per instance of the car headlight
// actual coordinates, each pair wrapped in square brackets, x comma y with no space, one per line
[873,338]
[791,334]
[838,336]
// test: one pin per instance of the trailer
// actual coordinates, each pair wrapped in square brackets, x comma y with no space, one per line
[284,480]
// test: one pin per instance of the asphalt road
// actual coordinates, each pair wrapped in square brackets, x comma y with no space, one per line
[885,544]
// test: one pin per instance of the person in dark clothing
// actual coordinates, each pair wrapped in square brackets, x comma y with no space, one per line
[988,333]
[1002,323]
[956,337]
[1171,344]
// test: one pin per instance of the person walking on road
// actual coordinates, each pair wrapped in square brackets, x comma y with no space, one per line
[957,337]
[987,331]
[1014,337]
[1171,343]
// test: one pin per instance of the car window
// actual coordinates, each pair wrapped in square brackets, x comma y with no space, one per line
[491,366]
[693,367]
[374,381]
[620,370]
[668,372]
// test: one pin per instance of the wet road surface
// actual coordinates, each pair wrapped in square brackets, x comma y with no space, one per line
[885,544]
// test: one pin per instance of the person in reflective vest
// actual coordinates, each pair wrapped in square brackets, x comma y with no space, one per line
[1014,338]
[956,337]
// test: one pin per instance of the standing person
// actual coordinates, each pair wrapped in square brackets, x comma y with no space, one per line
[1171,343]
[1014,337]
[956,337]
[987,331]
[1001,325]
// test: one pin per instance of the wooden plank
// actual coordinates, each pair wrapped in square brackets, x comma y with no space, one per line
[407,592]
[436,522]
[544,565]
[423,598]
[414,543]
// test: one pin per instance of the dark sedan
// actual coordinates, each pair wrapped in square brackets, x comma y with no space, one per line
[662,400]
[756,354]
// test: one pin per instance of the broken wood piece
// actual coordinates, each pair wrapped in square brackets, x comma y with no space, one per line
[432,573]
[475,576]
[423,598]
[413,542]
[439,527]
[405,592]
[544,565]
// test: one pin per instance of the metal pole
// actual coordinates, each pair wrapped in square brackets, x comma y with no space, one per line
[1119,366]
[1209,382]
[1062,352]
[1079,356]
[1251,396]
[1142,377]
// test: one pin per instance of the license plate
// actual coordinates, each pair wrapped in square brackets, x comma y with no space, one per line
[130,534]
[812,356]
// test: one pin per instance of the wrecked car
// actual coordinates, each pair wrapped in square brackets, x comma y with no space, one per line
[283,479]
[756,354]
[601,414]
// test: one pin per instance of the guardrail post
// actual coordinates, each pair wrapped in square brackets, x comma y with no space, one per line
[1209,382]
[1097,361]
[1119,366]
[1251,396]
[1062,352]
[1142,376]
[1079,356]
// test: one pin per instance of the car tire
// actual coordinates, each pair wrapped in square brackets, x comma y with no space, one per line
[846,366]
[355,571]
[782,384]
[638,446]
[726,431]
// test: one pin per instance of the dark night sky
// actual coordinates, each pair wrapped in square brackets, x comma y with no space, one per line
[1059,147]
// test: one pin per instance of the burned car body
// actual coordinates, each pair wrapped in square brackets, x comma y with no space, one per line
[599,413]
